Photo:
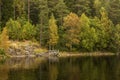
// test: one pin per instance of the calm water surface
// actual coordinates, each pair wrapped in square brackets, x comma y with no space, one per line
[53,68]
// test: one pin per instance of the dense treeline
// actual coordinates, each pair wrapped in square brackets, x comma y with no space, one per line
[71,25]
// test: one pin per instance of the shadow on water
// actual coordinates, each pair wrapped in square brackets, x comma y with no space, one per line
[54,68]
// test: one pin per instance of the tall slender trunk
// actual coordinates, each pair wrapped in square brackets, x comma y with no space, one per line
[0,14]
[28,10]
[14,11]
[41,25]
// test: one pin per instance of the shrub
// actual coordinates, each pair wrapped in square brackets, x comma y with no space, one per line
[2,52]
[14,29]
[19,30]
[28,31]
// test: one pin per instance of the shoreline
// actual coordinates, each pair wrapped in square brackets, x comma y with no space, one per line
[66,54]
[78,54]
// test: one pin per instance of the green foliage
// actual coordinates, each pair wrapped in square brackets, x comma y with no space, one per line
[82,6]
[97,5]
[114,11]
[106,25]
[88,36]
[61,10]
[19,8]
[116,38]
[2,52]
[14,29]
[7,11]
[28,31]
[91,32]
[19,31]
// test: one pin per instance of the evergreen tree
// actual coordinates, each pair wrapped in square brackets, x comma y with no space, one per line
[61,11]
[53,33]
[7,11]
[43,21]
[34,11]
[51,5]
[19,8]
[14,29]
[0,12]
[114,11]
[97,7]
[28,31]
[82,6]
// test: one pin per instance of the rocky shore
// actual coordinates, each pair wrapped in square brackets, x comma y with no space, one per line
[29,49]
[23,48]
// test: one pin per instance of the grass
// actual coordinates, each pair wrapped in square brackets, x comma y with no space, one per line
[40,50]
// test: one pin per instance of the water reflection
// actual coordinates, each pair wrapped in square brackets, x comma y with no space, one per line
[53,68]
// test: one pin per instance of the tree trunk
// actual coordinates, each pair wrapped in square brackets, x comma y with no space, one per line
[0,14]
[41,25]
[28,10]
[14,11]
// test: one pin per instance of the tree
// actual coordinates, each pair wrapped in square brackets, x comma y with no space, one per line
[19,8]
[0,12]
[43,21]
[116,38]
[20,29]
[14,29]
[61,11]
[114,10]
[34,11]
[7,11]
[28,9]
[97,7]
[53,32]
[28,31]
[51,5]
[4,44]
[82,6]
[88,36]
[72,30]
[106,25]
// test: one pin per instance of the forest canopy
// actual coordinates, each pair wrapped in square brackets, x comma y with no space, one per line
[67,25]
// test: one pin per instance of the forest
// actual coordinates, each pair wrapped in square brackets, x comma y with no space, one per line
[66,25]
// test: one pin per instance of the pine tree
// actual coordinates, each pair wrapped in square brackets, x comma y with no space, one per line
[34,11]
[0,12]
[72,30]
[53,33]
[97,7]
[7,11]
[61,11]
[14,29]
[114,11]
[19,8]
[82,6]
[51,5]
[43,21]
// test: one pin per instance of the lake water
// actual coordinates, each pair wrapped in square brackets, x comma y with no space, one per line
[53,68]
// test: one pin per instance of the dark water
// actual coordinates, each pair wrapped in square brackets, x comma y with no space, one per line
[72,68]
